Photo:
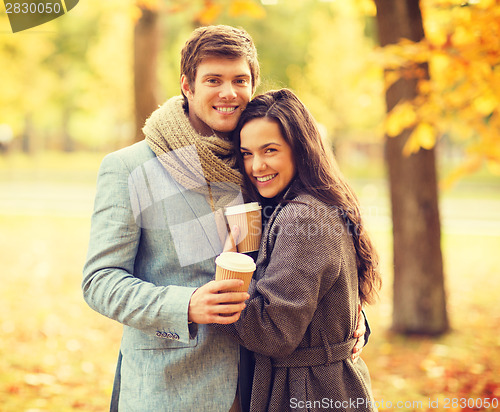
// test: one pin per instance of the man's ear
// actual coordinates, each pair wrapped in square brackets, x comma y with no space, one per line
[186,90]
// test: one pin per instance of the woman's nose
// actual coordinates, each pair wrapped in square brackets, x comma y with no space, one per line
[258,164]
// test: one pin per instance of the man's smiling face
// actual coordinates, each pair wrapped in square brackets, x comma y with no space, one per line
[221,91]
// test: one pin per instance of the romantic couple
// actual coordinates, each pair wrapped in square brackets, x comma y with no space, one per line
[293,341]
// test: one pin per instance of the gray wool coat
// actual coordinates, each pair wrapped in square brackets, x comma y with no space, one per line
[302,314]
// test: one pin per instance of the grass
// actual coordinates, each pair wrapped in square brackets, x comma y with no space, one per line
[56,354]
[463,363]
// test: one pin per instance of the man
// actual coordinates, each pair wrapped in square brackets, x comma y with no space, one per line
[156,229]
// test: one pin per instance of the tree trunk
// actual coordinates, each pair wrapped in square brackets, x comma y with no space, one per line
[419,301]
[68,145]
[27,135]
[146,44]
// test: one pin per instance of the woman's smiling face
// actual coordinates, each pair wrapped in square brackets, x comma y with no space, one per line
[267,157]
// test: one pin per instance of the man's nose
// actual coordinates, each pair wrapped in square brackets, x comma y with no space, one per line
[228,91]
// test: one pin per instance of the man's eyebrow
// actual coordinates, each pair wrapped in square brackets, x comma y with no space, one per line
[247,76]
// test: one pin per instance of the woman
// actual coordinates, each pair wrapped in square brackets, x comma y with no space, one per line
[314,266]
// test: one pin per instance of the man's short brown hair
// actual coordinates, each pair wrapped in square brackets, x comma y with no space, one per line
[218,41]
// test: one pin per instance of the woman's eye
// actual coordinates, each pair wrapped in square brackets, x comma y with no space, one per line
[270,150]
[245,154]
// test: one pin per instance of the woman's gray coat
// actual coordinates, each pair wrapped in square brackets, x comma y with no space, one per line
[302,314]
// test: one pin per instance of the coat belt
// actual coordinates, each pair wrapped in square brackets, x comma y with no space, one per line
[317,355]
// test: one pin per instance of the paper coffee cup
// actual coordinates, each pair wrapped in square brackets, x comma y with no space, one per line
[232,265]
[248,217]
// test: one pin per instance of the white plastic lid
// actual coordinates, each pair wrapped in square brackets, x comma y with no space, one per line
[235,261]
[243,208]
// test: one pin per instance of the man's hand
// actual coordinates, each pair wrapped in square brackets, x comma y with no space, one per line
[360,334]
[212,303]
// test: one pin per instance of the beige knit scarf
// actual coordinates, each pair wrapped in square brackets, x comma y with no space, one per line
[204,164]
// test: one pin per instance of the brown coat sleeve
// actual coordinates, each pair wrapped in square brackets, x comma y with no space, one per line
[304,262]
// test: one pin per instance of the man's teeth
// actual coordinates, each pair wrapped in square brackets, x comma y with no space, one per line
[265,178]
[226,109]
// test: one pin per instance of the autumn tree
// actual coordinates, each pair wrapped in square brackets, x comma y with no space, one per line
[461,98]
[146,47]
[419,303]
[67,84]
[339,82]
[147,36]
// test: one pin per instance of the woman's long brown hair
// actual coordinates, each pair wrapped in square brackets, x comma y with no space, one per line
[318,172]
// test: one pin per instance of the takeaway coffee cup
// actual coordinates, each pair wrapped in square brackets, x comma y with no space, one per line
[248,217]
[233,265]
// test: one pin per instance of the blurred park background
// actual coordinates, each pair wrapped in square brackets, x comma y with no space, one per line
[78,87]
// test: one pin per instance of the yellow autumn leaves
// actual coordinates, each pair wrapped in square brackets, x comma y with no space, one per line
[404,116]
[236,8]
[462,97]
[209,11]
